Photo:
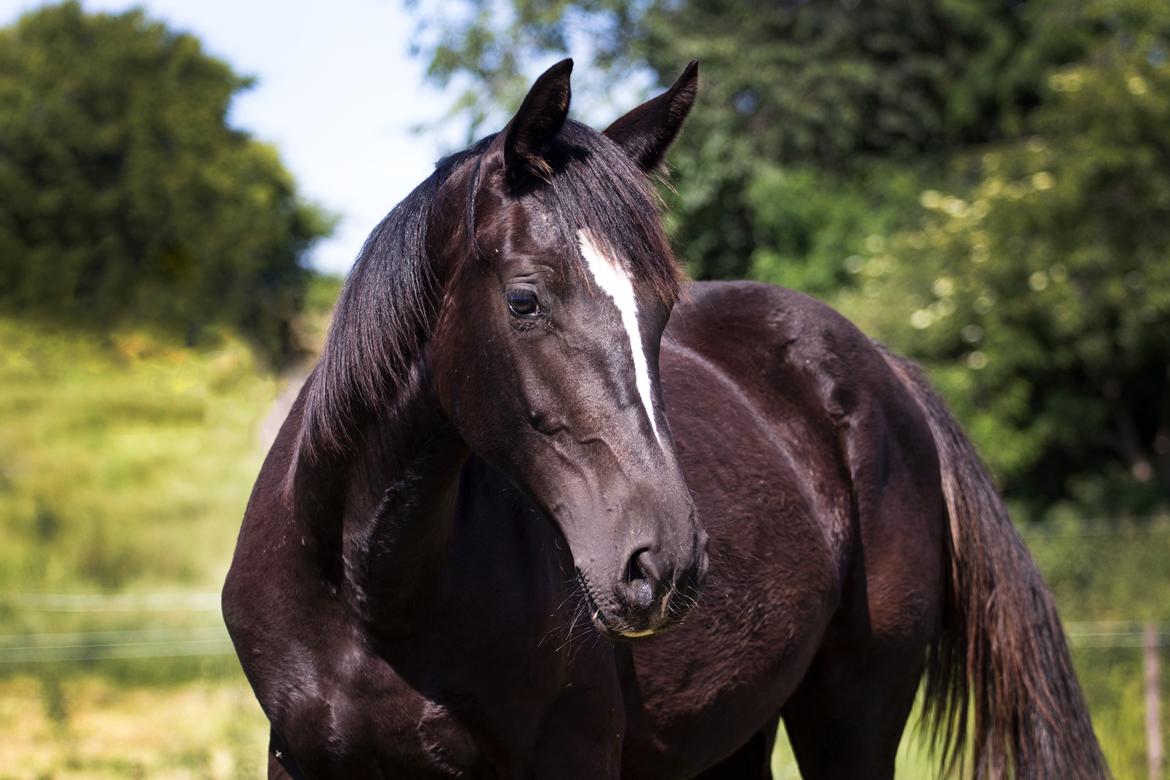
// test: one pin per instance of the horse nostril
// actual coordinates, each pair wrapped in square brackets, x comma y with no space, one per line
[650,567]
[639,580]
[634,570]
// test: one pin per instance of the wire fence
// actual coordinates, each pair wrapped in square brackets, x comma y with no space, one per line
[168,601]
[147,641]
[213,640]
[116,644]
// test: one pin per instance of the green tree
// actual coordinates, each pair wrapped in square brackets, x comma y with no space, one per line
[124,193]
[1041,295]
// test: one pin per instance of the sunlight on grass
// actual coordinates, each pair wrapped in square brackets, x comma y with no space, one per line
[93,728]
[105,477]
[125,465]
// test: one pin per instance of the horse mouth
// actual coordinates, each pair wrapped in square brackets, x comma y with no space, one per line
[610,627]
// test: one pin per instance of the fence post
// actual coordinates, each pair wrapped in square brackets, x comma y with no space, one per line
[1153,704]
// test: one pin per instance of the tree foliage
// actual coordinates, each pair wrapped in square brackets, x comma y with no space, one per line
[838,88]
[1041,294]
[125,194]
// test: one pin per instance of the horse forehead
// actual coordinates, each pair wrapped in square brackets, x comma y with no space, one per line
[607,273]
[528,223]
[614,281]
[606,266]
[530,229]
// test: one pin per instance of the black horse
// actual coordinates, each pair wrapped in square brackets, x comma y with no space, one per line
[490,499]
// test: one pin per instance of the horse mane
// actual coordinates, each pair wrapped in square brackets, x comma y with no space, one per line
[388,305]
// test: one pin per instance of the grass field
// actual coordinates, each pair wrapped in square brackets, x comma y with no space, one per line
[123,461]
[125,464]
[100,729]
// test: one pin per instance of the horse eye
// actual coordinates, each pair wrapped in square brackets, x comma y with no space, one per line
[522,302]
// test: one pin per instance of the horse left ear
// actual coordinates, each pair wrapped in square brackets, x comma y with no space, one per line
[649,130]
[539,119]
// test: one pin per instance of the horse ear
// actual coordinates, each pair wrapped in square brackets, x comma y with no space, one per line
[649,130]
[539,119]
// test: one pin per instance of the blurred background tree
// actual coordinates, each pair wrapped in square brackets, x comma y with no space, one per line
[840,100]
[125,196]
[1040,293]
[981,183]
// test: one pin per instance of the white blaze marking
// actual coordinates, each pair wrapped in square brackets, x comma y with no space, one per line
[614,280]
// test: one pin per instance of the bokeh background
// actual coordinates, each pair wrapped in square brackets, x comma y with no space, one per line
[981,184]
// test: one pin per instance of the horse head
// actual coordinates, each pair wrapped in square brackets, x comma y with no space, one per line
[555,296]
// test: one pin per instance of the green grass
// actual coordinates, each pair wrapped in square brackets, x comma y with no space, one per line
[125,465]
[93,728]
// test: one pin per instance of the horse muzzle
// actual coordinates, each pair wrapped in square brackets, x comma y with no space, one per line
[658,589]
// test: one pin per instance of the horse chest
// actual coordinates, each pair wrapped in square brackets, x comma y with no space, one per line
[460,705]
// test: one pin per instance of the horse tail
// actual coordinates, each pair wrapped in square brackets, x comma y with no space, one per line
[999,664]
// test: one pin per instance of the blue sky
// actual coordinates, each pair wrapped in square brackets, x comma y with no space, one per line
[338,94]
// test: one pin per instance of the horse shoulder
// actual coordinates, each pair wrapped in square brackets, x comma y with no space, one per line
[343,706]
[332,702]
[802,369]
[781,342]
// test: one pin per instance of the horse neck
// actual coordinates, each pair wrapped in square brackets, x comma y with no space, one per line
[396,495]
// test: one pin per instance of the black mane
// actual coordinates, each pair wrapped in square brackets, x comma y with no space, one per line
[387,307]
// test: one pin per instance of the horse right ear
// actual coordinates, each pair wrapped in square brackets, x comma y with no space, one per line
[539,119]
[649,130]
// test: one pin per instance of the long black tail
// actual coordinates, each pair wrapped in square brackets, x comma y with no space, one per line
[1000,666]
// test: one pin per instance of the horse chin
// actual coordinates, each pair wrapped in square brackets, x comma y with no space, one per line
[611,626]
[617,629]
